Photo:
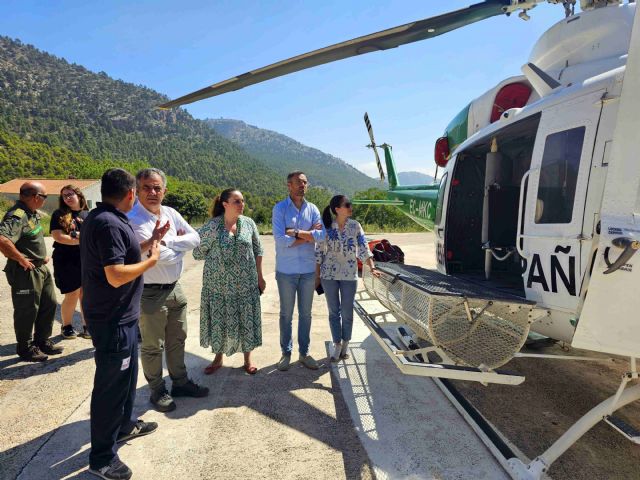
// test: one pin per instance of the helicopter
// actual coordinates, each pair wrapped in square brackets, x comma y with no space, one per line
[536,214]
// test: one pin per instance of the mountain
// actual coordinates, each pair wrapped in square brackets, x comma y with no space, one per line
[414,178]
[284,155]
[46,100]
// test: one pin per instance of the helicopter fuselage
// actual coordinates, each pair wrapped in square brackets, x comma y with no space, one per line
[520,198]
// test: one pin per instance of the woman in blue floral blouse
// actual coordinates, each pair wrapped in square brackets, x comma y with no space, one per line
[337,269]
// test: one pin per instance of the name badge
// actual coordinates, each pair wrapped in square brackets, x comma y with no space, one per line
[125,363]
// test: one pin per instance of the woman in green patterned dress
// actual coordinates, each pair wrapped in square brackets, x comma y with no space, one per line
[232,281]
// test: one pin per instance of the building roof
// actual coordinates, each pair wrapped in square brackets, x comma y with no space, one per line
[52,186]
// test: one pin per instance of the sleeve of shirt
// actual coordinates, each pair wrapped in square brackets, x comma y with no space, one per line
[182,243]
[55,222]
[169,256]
[112,248]
[361,245]
[279,228]
[11,228]
[258,251]
[320,251]
[206,241]
[318,235]
[141,230]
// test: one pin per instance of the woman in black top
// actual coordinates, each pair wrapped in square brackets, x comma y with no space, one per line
[65,230]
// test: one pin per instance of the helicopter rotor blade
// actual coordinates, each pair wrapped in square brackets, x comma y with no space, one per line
[383,40]
[373,146]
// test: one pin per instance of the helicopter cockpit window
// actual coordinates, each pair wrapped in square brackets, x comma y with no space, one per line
[443,187]
[559,175]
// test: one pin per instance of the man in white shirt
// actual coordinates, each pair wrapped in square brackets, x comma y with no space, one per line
[163,317]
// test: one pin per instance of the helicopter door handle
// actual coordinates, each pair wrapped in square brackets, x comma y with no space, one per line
[630,248]
[520,236]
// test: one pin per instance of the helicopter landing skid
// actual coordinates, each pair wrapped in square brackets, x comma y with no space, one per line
[538,467]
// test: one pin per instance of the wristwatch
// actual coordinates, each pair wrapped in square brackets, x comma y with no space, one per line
[295,233]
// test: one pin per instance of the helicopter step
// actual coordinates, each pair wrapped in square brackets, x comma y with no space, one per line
[376,317]
[470,325]
[623,428]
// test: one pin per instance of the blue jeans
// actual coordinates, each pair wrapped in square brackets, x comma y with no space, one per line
[340,295]
[289,285]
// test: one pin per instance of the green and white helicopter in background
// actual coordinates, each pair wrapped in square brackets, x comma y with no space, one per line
[536,214]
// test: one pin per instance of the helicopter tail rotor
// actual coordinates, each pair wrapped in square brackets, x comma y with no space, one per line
[374,146]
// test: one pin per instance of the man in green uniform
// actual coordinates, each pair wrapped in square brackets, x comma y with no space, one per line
[32,292]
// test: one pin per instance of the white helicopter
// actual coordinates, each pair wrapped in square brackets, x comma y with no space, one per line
[537,216]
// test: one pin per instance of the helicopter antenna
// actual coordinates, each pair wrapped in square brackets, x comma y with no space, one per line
[373,146]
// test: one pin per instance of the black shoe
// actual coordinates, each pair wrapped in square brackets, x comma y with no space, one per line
[50,349]
[116,470]
[162,401]
[140,430]
[68,332]
[84,333]
[189,389]
[32,354]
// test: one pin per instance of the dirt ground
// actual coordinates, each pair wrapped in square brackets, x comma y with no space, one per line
[273,425]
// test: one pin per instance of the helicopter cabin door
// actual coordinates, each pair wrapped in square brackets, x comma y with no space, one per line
[608,321]
[553,192]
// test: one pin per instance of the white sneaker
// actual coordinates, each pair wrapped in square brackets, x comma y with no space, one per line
[344,350]
[337,350]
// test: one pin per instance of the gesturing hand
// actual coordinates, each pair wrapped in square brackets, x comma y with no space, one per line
[160,231]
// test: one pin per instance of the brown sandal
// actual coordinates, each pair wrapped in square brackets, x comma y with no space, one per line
[250,369]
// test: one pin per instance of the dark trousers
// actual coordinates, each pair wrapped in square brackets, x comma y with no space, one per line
[34,303]
[114,387]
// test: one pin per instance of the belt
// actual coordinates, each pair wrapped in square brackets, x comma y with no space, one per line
[160,286]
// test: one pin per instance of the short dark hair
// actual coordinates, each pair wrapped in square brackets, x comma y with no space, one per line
[116,183]
[295,173]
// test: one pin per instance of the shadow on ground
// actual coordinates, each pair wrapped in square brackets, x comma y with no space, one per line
[65,450]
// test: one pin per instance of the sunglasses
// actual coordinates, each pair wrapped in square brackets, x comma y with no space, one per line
[346,205]
[238,202]
[41,195]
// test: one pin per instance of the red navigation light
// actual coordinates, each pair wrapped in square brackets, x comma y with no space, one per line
[442,152]
[449,255]
[512,95]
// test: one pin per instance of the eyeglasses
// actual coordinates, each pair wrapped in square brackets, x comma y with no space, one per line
[346,205]
[69,195]
[156,189]
[41,195]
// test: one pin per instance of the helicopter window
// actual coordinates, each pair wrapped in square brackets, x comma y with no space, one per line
[443,187]
[559,175]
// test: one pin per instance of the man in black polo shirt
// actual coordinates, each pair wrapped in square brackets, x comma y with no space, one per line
[112,286]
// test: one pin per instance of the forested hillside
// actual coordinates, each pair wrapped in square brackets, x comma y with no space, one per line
[47,100]
[59,120]
[285,154]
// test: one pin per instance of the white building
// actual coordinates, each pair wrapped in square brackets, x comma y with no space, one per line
[89,187]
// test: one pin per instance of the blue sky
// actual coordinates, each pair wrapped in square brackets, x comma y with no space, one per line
[175,47]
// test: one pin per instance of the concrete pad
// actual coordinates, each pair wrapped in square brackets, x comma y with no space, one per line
[407,426]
